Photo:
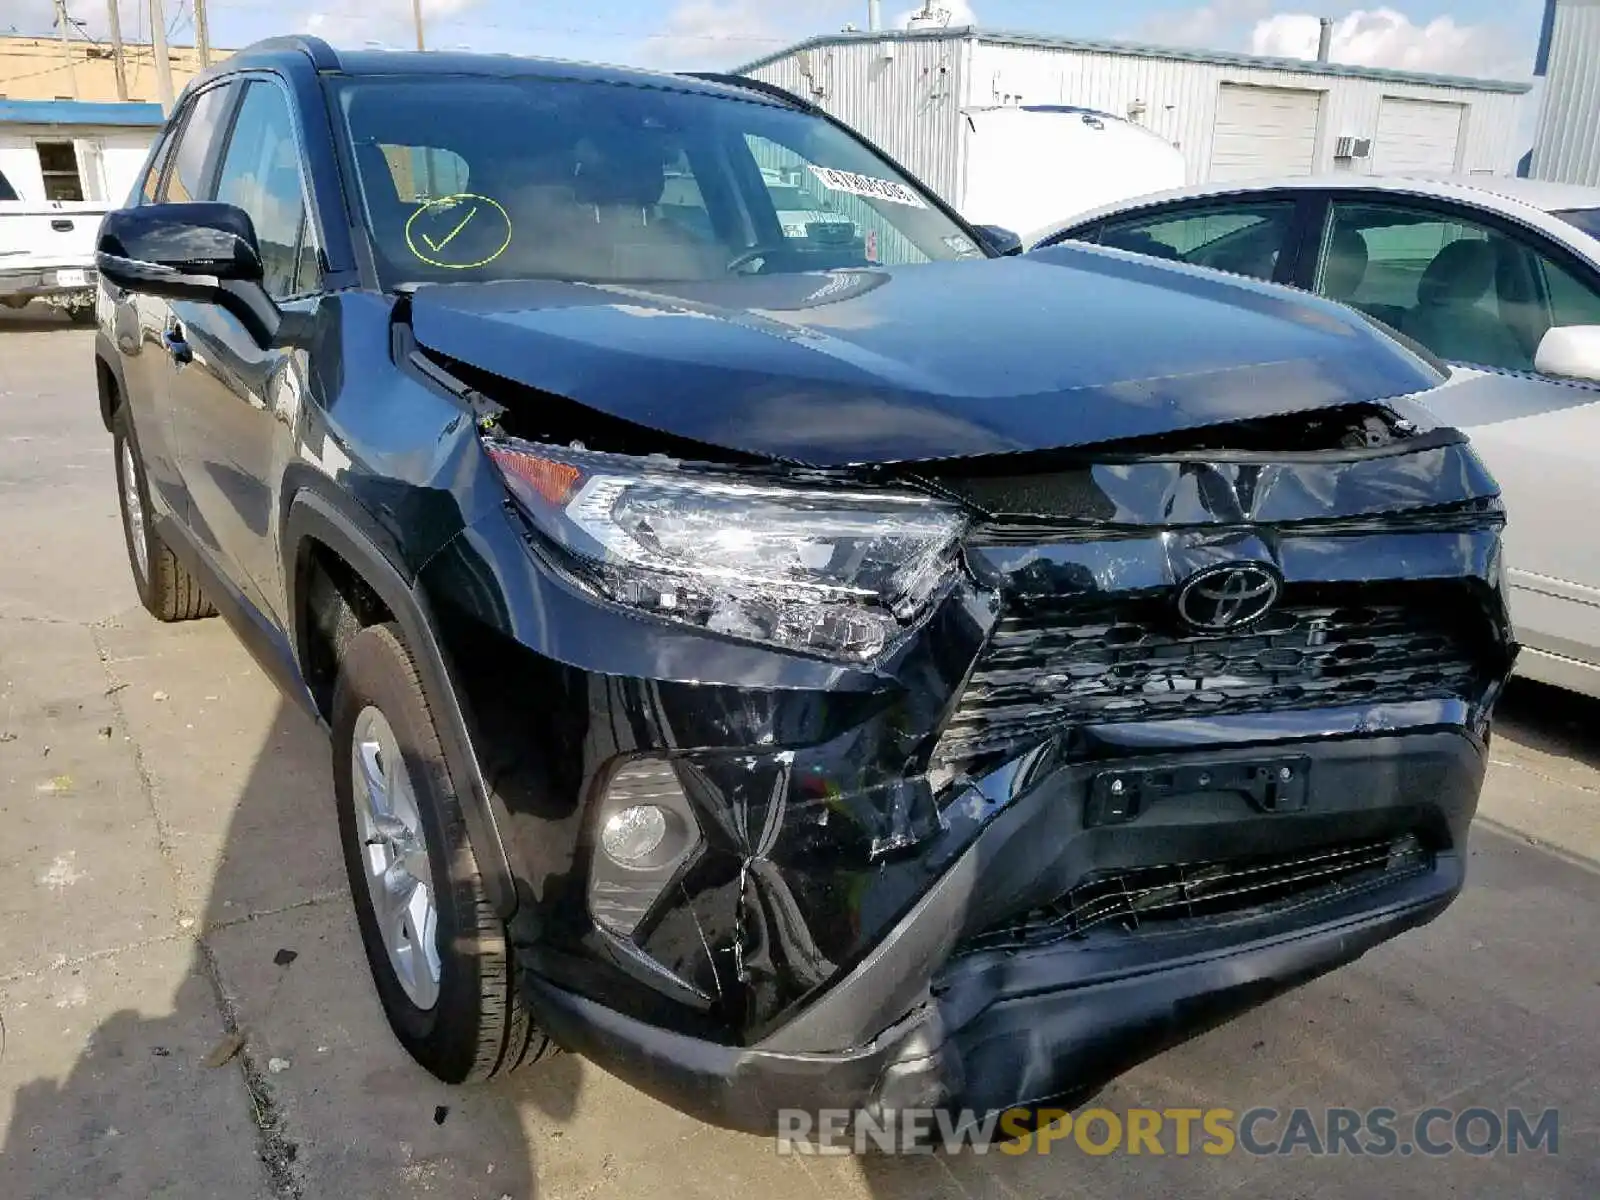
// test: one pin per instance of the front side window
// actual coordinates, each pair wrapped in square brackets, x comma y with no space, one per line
[260,173]
[1247,239]
[1468,291]
[596,182]
[186,180]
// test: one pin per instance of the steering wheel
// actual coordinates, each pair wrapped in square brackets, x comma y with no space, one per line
[745,257]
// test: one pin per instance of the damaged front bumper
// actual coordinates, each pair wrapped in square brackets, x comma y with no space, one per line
[1052,831]
[1018,1017]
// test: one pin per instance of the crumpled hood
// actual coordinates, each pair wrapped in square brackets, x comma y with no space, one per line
[1063,347]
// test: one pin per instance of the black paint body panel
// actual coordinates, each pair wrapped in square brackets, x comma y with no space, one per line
[824,960]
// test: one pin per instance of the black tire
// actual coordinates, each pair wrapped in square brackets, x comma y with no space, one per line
[479,1027]
[165,586]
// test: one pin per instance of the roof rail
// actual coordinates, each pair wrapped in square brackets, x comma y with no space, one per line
[323,57]
[753,85]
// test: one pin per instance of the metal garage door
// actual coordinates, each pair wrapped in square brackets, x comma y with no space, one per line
[1264,131]
[1416,136]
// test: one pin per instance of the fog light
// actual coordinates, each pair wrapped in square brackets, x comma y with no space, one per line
[645,833]
[632,836]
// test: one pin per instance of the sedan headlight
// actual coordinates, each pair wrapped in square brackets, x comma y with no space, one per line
[828,571]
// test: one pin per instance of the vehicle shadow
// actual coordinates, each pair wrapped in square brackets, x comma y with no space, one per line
[33,318]
[1492,1006]
[272,1071]
[1551,721]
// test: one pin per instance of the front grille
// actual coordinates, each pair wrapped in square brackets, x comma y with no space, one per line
[1054,666]
[1174,896]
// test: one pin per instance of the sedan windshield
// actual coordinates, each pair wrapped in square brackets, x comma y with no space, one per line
[515,178]
[1586,219]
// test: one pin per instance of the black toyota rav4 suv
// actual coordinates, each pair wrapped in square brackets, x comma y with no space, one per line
[794,671]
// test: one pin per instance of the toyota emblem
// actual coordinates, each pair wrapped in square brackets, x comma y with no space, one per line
[1221,598]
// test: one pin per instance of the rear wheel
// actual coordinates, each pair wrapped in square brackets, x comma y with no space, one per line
[165,586]
[438,951]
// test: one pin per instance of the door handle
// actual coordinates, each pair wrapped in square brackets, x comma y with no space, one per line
[61,225]
[173,340]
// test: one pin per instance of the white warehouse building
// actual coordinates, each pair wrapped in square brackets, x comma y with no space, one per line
[1233,116]
[1566,147]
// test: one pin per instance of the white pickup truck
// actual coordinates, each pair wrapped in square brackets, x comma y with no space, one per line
[47,251]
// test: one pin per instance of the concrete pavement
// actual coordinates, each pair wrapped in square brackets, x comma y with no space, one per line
[170,888]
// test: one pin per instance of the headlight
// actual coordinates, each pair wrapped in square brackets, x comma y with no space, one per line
[832,572]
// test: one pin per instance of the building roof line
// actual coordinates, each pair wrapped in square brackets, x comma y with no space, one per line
[1225,58]
[79,112]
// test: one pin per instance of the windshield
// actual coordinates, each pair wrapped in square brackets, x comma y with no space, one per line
[1586,219]
[474,179]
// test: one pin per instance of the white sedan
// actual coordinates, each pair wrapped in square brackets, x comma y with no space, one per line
[1498,277]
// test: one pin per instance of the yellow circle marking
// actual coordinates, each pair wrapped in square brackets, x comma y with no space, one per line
[434,247]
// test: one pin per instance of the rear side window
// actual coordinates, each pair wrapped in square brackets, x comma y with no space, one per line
[186,181]
[260,173]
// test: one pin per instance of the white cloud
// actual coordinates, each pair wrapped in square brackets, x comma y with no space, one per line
[388,22]
[89,19]
[951,13]
[1210,25]
[722,33]
[1383,37]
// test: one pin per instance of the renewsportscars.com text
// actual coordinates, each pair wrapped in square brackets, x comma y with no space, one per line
[1374,1132]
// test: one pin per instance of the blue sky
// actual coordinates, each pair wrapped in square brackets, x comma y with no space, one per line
[1485,37]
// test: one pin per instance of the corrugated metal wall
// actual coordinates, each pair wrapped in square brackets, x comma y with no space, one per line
[910,103]
[1567,145]
[1180,99]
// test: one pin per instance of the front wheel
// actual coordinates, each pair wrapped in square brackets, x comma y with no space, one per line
[438,951]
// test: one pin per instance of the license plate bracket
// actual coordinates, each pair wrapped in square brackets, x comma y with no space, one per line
[1273,785]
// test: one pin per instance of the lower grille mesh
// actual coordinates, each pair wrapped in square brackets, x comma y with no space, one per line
[1049,667]
[1147,899]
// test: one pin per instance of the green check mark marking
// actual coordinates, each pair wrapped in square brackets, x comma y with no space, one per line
[445,241]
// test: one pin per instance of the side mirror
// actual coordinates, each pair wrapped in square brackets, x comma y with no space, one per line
[1571,352]
[1001,240]
[180,251]
[202,251]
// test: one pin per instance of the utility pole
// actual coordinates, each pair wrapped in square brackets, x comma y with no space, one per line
[202,33]
[64,23]
[118,59]
[416,15]
[158,38]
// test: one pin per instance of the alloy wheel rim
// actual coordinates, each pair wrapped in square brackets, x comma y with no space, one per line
[133,510]
[394,852]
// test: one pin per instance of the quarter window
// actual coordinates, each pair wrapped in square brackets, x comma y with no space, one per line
[261,174]
[1247,239]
